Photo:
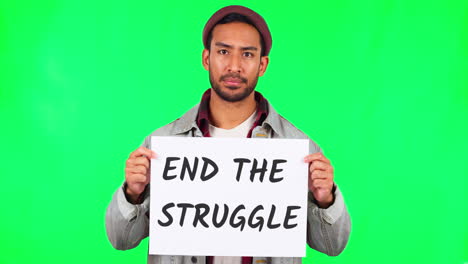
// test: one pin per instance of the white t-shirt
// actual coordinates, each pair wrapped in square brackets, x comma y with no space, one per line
[227,260]
[239,131]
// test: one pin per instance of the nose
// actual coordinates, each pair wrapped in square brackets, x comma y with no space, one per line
[234,64]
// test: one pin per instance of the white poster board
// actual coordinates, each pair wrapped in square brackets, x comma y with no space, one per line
[228,197]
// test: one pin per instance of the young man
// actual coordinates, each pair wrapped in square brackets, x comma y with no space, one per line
[237,43]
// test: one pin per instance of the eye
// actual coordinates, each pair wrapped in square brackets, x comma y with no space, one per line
[223,52]
[248,54]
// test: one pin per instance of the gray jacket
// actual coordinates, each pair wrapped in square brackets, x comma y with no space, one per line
[328,229]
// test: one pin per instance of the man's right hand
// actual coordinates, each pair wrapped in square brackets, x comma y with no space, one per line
[137,172]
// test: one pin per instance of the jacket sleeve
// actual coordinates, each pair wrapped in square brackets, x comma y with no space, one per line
[328,229]
[126,223]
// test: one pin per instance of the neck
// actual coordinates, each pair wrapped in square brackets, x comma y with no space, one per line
[227,115]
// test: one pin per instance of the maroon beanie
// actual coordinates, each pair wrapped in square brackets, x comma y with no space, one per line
[255,18]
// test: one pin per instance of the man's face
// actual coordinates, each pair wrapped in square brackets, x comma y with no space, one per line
[234,60]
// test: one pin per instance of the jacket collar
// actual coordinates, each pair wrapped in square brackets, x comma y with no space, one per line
[274,121]
[188,121]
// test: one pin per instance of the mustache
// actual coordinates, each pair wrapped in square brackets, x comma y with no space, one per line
[233,75]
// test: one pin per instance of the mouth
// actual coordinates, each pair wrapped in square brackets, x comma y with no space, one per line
[232,82]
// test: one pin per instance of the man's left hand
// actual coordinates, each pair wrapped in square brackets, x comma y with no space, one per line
[320,179]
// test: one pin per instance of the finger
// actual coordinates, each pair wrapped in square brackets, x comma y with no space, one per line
[319,165]
[137,178]
[140,161]
[137,170]
[136,188]
[322,184]
[316,156]
[142,151]
[319,174]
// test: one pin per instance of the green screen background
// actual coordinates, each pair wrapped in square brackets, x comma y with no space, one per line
[381,86]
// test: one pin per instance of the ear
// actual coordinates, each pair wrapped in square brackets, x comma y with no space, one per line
[264,60]
[206,59]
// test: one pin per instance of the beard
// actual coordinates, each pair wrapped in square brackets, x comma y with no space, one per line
[225,95]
